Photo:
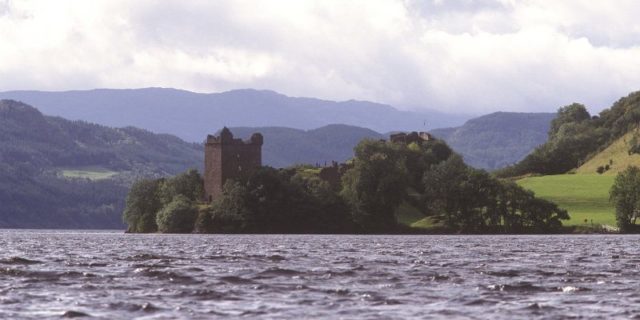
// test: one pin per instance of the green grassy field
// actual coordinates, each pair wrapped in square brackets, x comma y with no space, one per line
[584,196]
[91,173]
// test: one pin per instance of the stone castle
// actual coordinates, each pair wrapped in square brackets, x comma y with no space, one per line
[229,158]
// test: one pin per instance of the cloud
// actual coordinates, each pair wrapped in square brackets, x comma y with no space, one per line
[456,55]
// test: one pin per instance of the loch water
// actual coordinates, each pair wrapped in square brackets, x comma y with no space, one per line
[112,275]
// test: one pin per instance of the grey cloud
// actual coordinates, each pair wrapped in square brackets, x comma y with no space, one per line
[432,8]
[453,55]
[5,8]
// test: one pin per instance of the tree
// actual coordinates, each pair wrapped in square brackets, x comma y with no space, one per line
[625,194]
[142,205]
[324,210]
[419,157]
[229,213]
[178,216]
[471,200]
[442,184]
[573,113]
[542,215]
[277,201]
[270,199]
[189,184]
[376,185]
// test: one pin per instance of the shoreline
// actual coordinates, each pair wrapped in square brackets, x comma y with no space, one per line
[416,233]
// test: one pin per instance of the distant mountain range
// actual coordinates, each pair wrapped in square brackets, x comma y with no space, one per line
[57,173]
[488,142]
[191,116]
[498,139]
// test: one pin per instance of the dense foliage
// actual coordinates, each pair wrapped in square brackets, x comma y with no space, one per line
[382,176]
[178,216]
[278,201]
[471,200]
[625,194]
[175,198]
[143,202]
[376,185]
[575,135]
[35,151]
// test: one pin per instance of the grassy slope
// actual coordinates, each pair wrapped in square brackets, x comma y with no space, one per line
[585,196]
[618,152]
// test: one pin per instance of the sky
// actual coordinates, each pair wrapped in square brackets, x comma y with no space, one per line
[455,56]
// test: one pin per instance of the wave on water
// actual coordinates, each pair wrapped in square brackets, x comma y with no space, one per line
[107,276]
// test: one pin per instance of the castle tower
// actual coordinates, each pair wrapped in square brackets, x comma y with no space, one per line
[229,158]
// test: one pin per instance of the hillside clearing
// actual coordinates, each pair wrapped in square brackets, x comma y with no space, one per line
[92,173]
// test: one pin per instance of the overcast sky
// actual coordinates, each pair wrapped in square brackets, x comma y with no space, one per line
[459,56]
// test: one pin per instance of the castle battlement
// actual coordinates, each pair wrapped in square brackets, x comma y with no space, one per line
[226,137]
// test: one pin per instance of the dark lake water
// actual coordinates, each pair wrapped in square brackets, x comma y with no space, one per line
[117,276]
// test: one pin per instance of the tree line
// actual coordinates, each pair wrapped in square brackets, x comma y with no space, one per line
[575,135]
[381,177]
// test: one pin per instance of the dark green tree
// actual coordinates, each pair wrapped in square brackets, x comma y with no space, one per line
[540,216]
[573,113]
[189,184]
[419,157]
[179,216]
[270,200]
[442,184]
[230,213]
[625,195]
[142,205]
[471,200]
[376,185]
[323,209]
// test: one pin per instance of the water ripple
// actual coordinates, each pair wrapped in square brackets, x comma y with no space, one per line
[106,275]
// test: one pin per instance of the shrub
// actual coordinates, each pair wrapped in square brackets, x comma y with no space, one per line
[179,216]
[625,194]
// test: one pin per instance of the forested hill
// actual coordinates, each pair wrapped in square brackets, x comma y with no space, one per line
[499,139]
[56,173]
[576,136]
[191,115]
